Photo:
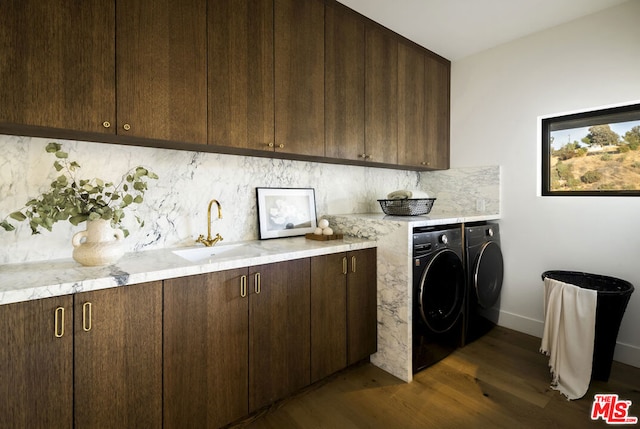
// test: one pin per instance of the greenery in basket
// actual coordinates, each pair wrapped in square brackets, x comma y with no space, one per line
[78,200]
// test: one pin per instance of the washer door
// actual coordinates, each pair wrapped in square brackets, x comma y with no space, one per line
[487,274]
[442,291]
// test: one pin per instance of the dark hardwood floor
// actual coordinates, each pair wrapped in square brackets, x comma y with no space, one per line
[499,381]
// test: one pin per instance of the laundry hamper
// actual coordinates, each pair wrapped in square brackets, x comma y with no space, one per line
[613,297]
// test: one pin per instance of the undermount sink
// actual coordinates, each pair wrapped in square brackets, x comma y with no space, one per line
[205,254]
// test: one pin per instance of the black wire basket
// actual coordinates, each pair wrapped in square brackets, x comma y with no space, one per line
[407,207]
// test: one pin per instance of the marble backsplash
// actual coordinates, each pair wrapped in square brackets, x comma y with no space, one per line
[175,206]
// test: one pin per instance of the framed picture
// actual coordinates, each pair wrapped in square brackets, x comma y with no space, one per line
[286,212]
[593,153]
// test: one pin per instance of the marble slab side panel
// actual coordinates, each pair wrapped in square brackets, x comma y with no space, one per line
[394,293]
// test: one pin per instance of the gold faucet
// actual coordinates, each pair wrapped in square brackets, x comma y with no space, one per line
[211,241]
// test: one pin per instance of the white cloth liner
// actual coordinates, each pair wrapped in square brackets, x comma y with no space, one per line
[404,194]
[569,334]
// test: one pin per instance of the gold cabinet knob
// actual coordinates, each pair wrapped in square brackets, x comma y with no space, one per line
[281,146]
[424,163]
[270,145]
[126,127]
[106,124]
[362,155]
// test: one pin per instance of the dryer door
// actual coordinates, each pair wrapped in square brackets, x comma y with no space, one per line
[487,274]
[442,291]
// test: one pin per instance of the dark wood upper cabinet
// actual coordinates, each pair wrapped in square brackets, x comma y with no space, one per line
[381,95]
[36,364]
[300,79]
[438,100]
[118,357]
[161,60]
[412,109]
[240,72]
[58,64]
[344,83]
[299,76]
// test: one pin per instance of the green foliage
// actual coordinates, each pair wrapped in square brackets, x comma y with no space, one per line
[78,200]
[602,135]
[564,171]
[632,137]
[591,176]
[606,157]
[567,151]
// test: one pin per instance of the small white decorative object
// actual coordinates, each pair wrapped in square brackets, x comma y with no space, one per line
[327,231]
[99,245]
[318,231]
[323,223]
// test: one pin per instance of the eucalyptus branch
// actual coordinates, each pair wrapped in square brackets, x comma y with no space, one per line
[77,200]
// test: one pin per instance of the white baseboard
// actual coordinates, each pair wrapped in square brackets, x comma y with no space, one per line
[625,353]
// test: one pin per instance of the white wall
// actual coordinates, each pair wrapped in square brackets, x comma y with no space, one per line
[497,97]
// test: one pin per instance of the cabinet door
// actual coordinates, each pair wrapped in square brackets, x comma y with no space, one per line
[118,357]
[438,82]
[361,305]
[58,64]
[344,83]
[205,350]
[412,109]
[381,96]
[299,76]
[36,364]
[241,73]
[161,69]
[279,328]
[328,315]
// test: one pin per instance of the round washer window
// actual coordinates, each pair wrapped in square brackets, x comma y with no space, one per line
[442,291]
[487,275]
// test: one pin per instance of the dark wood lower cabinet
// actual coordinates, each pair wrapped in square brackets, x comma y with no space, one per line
[93,360]
[362,305]
[118,357]
[279,338]
[328,315]
[36,364]
[343,310]
[234,341]
[200,352]
[205,350]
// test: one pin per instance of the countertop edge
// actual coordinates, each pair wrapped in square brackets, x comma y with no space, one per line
[36,280]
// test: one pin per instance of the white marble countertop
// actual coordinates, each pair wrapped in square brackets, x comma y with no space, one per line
[23,282]
[429,220]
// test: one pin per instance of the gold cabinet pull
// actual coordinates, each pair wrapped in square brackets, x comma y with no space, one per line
[106,124]
[59,322]
[243,286]
[270,145]
[353,264]
[257,286]
[86,316]
[126,127]
[344,265]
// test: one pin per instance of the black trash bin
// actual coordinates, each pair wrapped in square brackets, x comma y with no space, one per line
[613,297]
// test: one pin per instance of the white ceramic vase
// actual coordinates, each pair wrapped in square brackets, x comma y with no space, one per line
[99,245]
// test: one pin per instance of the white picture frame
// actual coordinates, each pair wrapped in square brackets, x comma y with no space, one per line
[286,212]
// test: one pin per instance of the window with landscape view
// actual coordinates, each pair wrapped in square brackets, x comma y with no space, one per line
[592,153]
